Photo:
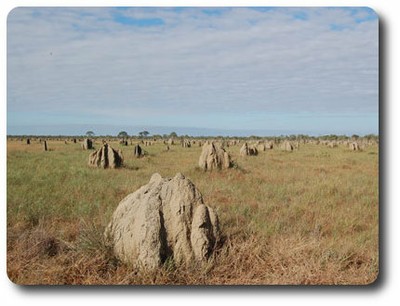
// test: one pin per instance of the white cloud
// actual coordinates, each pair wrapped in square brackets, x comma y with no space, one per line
[83,61]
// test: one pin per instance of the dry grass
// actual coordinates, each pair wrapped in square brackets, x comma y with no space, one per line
[307,217]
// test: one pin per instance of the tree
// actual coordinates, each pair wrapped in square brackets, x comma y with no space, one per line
[143,134]
[123,134]
[371,136]
[90,133]
[173,135]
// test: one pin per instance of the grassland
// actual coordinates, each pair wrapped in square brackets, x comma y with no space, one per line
[306,217]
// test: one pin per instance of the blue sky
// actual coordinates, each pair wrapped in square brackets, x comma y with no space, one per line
[203,70]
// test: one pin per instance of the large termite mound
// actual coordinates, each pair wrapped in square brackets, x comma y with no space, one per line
[166,218]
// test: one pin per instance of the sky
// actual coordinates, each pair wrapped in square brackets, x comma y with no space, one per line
[198,71]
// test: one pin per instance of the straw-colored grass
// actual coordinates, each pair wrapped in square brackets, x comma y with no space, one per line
[306,217]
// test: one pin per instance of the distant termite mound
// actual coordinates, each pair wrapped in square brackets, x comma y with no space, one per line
[214,156]
[138,151]
[186,143]
[248,150]
[287,146]
[87,144]
[354,146]
[106,157]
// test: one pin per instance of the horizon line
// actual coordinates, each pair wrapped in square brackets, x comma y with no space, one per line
[195,136]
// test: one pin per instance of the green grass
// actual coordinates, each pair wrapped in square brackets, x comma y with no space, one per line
[305,217]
